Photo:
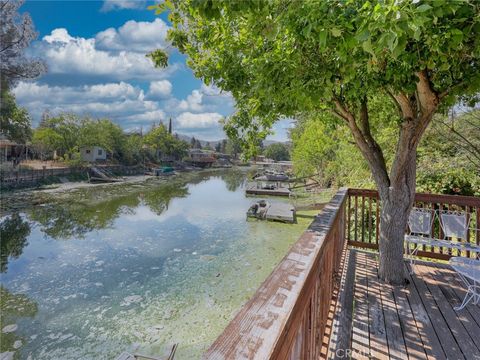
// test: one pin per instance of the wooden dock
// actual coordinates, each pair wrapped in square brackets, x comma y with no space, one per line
[418,321]
[255,190]
[281,212]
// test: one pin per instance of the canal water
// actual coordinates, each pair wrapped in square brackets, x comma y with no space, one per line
[89,273]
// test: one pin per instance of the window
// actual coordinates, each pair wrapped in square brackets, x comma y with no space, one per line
[87,151]
[100,151]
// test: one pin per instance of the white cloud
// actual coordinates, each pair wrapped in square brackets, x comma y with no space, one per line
[134,36]
[147,117]
[188,120]
[109,5]
[121,101]
[31,91]
[160,89]
[193,102]
[120,56]
[58,35]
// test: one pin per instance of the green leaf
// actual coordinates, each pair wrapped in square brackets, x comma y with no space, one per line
[336,32]
[363,35]
[367,46]
[322,38]
[423,8]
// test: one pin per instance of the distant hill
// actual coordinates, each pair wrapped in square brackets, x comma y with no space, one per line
[215,142]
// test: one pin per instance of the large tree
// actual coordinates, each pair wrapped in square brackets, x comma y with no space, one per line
[16,34]
[277,152]
[281,58]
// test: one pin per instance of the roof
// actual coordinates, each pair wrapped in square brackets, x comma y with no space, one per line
[6,142]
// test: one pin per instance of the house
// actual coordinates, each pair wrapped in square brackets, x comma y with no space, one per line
[202,158]
[93,153]
[10,150]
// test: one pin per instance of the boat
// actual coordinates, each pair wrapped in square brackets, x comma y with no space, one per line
[164,171]
[258,209]
[276,211]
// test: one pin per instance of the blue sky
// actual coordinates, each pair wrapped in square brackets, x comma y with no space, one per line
[95,54]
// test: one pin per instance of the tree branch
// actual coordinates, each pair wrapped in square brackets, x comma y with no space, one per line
[366,143]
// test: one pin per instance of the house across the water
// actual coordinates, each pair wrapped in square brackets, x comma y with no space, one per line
[201,158]
[93,153]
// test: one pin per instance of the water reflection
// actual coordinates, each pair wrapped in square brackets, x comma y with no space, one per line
[233,179]
[75,219]
[13,235]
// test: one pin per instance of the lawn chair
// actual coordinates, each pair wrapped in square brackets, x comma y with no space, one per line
[420,222]
[455,226]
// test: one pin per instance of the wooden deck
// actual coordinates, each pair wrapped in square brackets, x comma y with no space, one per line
[374,320]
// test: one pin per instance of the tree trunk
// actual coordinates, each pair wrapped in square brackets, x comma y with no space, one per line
[396,203]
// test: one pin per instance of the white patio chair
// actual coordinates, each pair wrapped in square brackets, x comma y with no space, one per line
[455,226]
[420,222]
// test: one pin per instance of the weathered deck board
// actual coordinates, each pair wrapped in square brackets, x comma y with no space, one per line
[417,321]
[360,335]
[343,315]
[455,325]
[378,332]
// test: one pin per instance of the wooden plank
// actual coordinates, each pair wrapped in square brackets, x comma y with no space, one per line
[430,340]
[464,341]
[341,335]
[396,343]
[453,283]
[360,336]
[411,333]
[447,341]
[432,315]
[464,316]
[376,321]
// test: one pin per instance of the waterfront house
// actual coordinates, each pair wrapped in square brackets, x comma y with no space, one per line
[200,157]
[93,153]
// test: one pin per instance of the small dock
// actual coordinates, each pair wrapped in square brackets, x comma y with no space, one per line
[281,212]
[274,191]
[276,211]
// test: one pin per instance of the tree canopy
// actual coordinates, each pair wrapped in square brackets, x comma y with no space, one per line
[289,58]
[277,152]
[14,120]
[16,34]
[279,58]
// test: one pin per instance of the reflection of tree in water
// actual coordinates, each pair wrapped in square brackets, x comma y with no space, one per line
[12,307]
[159,199]
[233,179]
[70,219]
[13,234]
[62,220]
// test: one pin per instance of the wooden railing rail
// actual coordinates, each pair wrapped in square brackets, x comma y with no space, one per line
[287,316]
[363,219]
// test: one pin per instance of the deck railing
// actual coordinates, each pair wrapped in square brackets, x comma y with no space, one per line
[363,219]
[287,316]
